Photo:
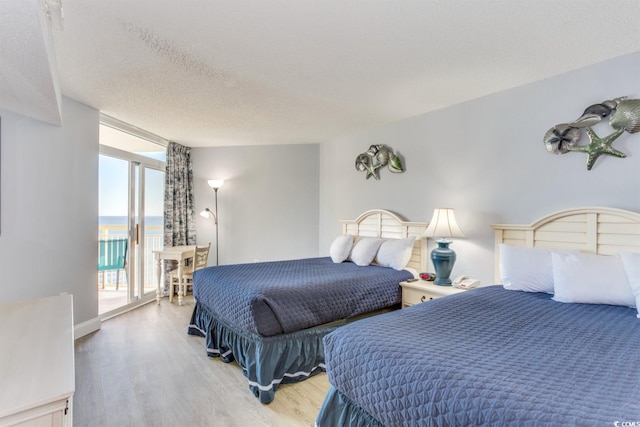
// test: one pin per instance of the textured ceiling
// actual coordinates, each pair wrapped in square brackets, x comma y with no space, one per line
[206,73]
[28,75]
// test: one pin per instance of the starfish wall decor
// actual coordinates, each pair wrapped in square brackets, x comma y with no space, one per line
[376,157]
[598,146]
[624,116]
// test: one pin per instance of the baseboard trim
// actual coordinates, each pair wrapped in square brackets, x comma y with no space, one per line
[93,325]
[86,328]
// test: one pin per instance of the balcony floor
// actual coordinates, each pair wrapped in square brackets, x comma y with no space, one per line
[110,299]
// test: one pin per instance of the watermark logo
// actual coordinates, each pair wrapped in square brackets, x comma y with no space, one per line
[626,423]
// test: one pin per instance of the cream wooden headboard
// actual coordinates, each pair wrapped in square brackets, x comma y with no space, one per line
[603,231]
[388,225]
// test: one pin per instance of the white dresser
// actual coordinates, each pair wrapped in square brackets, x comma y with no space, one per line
[37,373]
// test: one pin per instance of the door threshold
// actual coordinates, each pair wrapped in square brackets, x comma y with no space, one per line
[128,307]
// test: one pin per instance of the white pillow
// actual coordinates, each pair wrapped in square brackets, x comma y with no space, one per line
[364,250]
[590,279]
[341,248]
[395,253]
[631,264]
[526,269]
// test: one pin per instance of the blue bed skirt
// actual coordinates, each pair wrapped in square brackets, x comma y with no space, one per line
[338,410]
[267,362]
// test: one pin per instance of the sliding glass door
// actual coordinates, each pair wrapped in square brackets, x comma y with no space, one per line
[114,237]
[131,193]
[152,226]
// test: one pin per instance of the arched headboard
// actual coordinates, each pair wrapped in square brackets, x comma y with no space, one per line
[597,230]
[388,225]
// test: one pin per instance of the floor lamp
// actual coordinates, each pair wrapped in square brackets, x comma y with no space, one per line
[215,185]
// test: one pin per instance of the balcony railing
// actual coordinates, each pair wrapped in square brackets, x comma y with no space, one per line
[153,240]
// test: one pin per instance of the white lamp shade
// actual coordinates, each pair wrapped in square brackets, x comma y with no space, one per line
[215,183]
[443,224]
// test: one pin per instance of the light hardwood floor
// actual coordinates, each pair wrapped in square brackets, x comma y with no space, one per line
[142,369]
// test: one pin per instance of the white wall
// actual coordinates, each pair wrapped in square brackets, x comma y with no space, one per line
[268,206]
[49,208]
[486,159]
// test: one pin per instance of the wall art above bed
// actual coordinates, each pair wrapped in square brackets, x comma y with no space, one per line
[624,116]
[377,157]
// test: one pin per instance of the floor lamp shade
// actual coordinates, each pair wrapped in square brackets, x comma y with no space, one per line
[443,225]
[215,185]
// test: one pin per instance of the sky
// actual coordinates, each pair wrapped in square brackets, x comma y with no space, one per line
[113,187]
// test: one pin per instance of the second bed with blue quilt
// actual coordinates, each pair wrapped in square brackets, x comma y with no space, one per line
[489,356]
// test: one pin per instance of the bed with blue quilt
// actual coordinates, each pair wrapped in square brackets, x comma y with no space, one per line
[557,344]
[488,356]
[270,317]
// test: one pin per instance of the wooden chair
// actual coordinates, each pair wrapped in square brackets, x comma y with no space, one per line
[112,256]
[200,259]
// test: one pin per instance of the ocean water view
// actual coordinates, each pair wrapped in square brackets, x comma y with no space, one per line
[151,221]
[115,227]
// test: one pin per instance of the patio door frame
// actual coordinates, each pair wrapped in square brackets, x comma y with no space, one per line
[136,196]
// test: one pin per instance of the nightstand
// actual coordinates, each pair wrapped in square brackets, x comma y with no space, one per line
[421,291]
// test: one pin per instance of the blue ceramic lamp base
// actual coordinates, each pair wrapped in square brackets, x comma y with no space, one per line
[443,259]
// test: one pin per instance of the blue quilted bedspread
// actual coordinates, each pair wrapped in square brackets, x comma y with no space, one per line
[279,297]
[491,357]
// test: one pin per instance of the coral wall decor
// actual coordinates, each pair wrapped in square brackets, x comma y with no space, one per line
[624,116]
[376,157]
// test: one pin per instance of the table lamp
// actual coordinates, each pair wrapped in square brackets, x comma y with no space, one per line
[443,225]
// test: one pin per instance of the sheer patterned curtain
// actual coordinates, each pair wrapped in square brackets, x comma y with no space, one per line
[179,209]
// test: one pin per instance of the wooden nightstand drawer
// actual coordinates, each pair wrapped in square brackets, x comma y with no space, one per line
[421,291]
[416,296]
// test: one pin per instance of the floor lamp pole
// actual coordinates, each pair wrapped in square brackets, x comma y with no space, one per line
[216,218]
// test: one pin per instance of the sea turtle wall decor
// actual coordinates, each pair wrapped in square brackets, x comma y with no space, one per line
[624,116]
[376,157]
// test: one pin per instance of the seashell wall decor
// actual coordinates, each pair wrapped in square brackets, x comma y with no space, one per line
[624,116]
[376,157]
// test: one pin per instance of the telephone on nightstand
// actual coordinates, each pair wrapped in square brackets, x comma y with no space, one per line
[463,282]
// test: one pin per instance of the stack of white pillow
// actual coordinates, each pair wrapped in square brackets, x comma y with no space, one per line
[394,253]
[573,276]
